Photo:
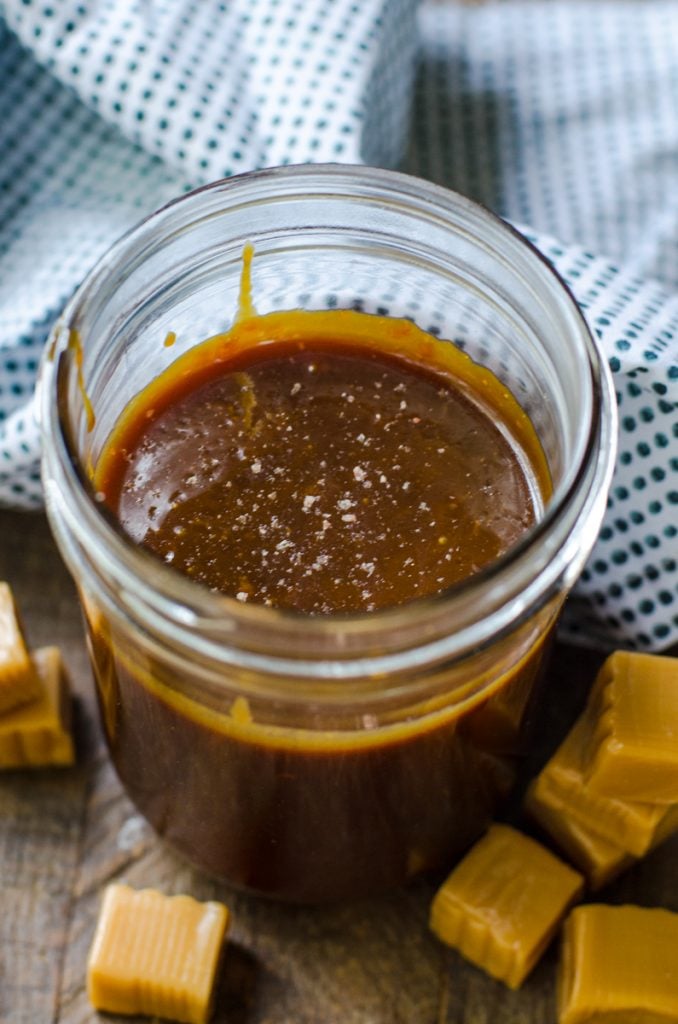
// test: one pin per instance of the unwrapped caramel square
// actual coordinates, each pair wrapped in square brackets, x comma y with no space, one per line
[598,859]
[156,954]
[18,681]
[561,786]
[632,750]
[502,904]
[618,964]
[38,734]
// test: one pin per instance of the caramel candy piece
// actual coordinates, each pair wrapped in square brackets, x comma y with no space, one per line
[598,859]
[618,964]
[632,752]
[39,734]
[561,787]
[18,681]
[502,904]
[155,954]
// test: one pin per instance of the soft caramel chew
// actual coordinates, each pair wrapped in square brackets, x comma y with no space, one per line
[18,681]
[502,904]
[619,964]
[155,954]
[632,752]
[561,786]
[39,734]
[599,860]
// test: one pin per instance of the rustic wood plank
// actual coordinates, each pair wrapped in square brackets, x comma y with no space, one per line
[64,835]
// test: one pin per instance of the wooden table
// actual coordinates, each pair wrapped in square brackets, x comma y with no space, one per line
[65,834]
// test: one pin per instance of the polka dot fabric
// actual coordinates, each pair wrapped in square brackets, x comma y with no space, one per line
[561,115]
[217,88]
[628,593]
[556,114]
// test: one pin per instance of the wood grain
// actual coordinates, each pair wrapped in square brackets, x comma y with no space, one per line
[64,835]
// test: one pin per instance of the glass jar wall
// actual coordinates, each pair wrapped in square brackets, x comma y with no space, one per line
[303,757]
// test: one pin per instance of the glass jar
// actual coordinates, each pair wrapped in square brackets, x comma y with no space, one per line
[313,758]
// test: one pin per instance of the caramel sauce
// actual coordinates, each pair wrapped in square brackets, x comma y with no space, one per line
[325,462]
[75,346]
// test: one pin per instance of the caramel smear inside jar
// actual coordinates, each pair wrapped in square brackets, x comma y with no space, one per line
[325,462]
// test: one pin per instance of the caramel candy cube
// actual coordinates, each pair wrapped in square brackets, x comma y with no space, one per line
[155,954]
[598,859]
[561,786]
[502,904]
[18,680]
[618,964]
[632,751]
[39,734]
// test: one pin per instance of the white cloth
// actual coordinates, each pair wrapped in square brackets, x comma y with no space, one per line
[559,115]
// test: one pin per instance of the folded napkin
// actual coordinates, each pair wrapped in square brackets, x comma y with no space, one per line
[558,115]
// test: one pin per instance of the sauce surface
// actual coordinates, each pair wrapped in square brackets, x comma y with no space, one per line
[324,470]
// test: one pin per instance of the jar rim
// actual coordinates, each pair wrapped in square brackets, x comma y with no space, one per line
[547,557]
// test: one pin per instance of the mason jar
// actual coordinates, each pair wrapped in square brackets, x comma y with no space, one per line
[321,757]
